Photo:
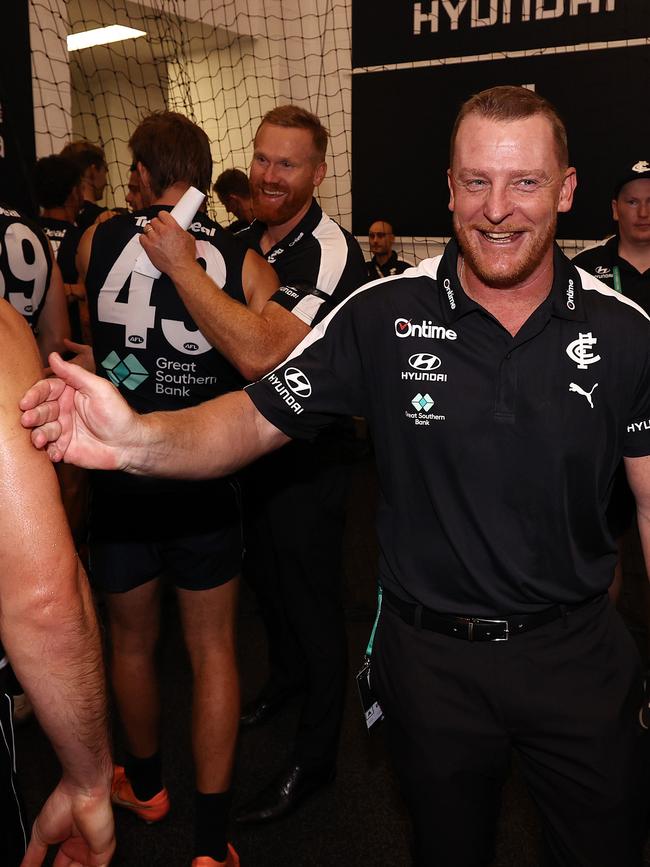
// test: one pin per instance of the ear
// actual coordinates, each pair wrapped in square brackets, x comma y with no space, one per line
[319,174]
[615,209]
[144,176]
[450,184]
[568,188]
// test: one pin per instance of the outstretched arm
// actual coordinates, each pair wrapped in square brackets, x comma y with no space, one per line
[53,322]
[254,337]
[48,625]
[82,419]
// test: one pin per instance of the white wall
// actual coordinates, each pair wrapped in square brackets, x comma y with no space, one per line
[48,27]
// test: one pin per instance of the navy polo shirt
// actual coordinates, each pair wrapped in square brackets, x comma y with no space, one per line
[318,262]
[601,261]
[495,454]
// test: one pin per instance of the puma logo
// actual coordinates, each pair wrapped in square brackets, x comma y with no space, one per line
[587,394]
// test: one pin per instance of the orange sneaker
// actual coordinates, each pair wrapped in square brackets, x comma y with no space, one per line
[232,860]
[122,795]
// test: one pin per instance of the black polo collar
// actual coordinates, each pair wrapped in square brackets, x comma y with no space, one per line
[304,229]
[565,300]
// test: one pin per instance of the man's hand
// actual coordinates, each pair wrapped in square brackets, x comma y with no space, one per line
[81,822]
[171,249]
[79,418]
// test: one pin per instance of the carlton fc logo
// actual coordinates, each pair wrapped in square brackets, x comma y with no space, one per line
[580,350]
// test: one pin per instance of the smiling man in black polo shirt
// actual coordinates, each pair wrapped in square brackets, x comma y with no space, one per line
[500,401]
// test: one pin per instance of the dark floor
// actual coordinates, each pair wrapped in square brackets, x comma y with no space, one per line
[357,820]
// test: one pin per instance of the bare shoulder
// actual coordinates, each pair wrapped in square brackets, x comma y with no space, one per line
[20,368]
[30,506]
[27,480]
[20,364]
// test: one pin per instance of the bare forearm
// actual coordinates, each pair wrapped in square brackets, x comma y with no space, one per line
[207,441]
[247,339]
[54,646]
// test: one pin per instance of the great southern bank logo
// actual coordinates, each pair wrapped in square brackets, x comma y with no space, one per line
[423,402]
[425,328]
[129,373]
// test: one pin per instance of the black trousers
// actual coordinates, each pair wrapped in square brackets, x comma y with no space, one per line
[294,506]
[13,829]
[565,696]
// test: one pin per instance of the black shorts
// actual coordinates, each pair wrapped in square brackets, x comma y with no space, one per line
[191,532]
[198,562]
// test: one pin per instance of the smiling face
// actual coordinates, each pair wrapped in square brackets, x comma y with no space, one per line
[283,173]
[506,187]
[631,209]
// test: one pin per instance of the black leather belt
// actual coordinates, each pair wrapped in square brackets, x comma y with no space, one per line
[477,628]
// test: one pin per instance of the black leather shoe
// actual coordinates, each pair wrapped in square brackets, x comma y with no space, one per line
[261,709]
[283,795]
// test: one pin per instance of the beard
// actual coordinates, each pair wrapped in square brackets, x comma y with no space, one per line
[275,214]
[513,271]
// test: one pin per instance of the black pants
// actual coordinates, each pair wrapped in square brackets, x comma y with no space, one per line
[296,516]
[566,696]
[13,831]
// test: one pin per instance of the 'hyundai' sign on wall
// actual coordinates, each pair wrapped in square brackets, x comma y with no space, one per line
[591,58]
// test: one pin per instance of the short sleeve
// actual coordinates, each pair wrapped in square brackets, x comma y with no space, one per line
[321,380]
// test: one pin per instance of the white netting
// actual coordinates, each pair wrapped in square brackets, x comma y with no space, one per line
[222,62]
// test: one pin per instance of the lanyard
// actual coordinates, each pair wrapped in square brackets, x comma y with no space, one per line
[618,286]
[374,626]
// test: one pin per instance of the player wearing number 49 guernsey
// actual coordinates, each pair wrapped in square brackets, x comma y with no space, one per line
[149,346]
[30,280]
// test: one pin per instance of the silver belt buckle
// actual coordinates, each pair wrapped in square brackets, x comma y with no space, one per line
[476,620]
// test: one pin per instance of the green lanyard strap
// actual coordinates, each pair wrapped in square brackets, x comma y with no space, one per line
[618,286]
[374,626]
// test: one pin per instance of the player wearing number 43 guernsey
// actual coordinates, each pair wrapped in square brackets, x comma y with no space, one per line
[145,341]
[149,346]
